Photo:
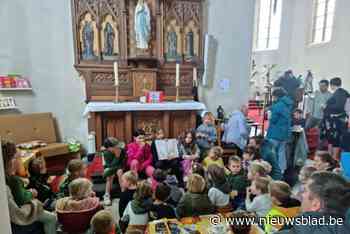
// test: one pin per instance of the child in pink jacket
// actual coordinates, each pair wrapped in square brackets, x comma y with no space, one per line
[140,154]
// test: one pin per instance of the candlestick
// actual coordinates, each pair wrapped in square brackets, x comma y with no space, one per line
[116,74]
[177,84]
[195,76]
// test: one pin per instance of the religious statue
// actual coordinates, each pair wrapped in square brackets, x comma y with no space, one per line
[109,39]
[142,25]
[190,51]
[88,41]
[172,45]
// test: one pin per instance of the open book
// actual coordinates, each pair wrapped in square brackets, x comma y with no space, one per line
[167,149]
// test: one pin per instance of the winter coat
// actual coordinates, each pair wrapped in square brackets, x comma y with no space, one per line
[142,154]
[194,204]
[281,119]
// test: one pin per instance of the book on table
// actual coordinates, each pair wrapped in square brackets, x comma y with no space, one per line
[167,148]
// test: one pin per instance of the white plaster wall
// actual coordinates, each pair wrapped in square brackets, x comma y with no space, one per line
[279,57]
[231,24]
[37,41]
[326,60]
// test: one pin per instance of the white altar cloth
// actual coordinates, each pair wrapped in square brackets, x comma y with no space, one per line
[137,106]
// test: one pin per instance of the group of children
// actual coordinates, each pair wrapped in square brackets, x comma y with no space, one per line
[198,182]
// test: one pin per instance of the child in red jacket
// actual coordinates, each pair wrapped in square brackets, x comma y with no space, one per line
[140,154]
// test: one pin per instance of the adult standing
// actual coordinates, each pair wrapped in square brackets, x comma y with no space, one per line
[279,130]
[236,130]
[318,104]
[334,123]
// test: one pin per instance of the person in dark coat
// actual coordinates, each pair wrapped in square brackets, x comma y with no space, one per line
[321,202]
[334,123]
[279,131]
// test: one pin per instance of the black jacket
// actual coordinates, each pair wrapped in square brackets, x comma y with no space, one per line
[336,104]
[316,229]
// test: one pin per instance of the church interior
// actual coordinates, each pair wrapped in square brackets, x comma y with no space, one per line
[174,116]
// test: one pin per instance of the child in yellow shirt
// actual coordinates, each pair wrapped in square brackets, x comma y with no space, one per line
[214,157]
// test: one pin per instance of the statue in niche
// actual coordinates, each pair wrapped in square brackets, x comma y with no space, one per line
[142,25]
[190,49]
[172,45]
[109,36]
[88,41]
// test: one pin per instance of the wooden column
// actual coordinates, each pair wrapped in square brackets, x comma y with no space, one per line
[124,33]
[128,127]
[98,130]
[166,123]
[160,38]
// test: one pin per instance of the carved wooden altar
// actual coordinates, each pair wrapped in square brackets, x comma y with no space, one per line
[182,18]
[104,33]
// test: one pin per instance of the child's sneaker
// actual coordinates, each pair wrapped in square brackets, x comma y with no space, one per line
[107,200]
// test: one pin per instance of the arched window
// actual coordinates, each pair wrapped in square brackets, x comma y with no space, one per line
[323,18]
[268,24]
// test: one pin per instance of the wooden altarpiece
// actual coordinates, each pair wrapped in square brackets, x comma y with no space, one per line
[104,33]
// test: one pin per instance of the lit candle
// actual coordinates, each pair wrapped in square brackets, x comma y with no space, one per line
[177,75]
[116,75]
[195,76]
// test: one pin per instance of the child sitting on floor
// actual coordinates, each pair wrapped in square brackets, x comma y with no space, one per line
[214,157]
[206,134]
[324,162]
[81,197]
[237,180]
[140,155]
[256,170]
[160,208]
[128,187]
[195,201]
[219,191]
[76,169]
[21,195]
[113,158]
[261,203]
[283,205]
[103,223]
[304,174]
[159,176]
[136,212]
[197,168]
[188,151]
[175,192]
[249,154]
[38,180]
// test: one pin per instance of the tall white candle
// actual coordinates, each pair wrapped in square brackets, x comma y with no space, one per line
[116,74]
[195,76]
[177,75]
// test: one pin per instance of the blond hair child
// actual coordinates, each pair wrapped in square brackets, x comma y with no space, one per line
[214,157]
[102,223]
[128,186]
[283,205]
[261,204]
[195,201]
